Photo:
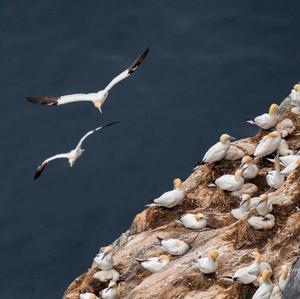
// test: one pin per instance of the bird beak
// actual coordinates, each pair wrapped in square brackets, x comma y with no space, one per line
[259,203]
[243,164]
[232,138]
[100,110]
[104,255]
[107,289]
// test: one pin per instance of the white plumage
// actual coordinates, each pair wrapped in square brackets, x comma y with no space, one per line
[110,292]
[274,178]
[262,222]
[174,246]
[268,144]
[265,290]
[105,260]
[155,264]
[208,265]
[250,170]
[230,182]
[194,221]
[266,120]
[244,207]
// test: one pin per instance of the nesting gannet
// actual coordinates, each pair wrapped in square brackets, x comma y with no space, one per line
[107,275]
[174,246]
[263,266]
[208,265]
[234,153]
[172,198]
[154,264]
[110,292]
[88,296]
[72,156]
[230,182]
[283,279]
[276,293]
[247,188]
[244,207]
[97,98]
[218,151]
[290,168]
[249,273]
[265,290]
[264,206]
[274,178]
[262,222]
[193,221]
[286,160]
[268,144]
[250,170]
[105,260]
[266,120]
[284,148]
[295,93]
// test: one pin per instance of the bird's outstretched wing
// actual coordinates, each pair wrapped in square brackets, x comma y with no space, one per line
[51,100]
[93,131]
[42,166]
[128,71]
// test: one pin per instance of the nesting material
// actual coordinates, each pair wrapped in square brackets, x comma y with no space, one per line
[285,127]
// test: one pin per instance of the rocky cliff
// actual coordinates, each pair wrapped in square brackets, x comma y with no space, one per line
[232,238]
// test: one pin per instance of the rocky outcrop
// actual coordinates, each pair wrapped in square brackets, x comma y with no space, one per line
[232,238]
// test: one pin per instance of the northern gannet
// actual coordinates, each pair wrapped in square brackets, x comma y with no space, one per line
[268,144]
[274,178]
[97,98]
[208,265]
[244,207]
[230,182]
[234,153]
[154,264]
[290,168]
[247,188]
[286,160]
[295,93]
[250,170]
[262,222]
[283,279]
[265,290]
[284,148]
[171,198]
[264,206]
[88,296]
[107,275]
[72,156]
[193,221]
[105,260]
[266,120]
[217,152]
[174,246]
[110,292]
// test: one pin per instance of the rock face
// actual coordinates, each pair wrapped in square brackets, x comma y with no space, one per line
[232,238]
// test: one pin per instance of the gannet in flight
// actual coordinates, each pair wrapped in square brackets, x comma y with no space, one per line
[154,264]
[72,156]
[268,144]
[97,98]
[250,170]
[265,290]
[208,265]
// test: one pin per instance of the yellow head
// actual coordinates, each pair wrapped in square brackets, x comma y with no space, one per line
[199,216]
[177,183]
[238,174]
[246,197]
[297,87]
[71,161]
[108,249]
[92,296]
[112,285]
[273,135]
[97,104]
[264,196]
[164,258]
[213,254]
[284,271]
[273,109]
[224,138]
[298,163]
[178,242]
[266,275]
[247,159]
[256,255]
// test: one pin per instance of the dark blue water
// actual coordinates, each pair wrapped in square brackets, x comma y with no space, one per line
[211,65]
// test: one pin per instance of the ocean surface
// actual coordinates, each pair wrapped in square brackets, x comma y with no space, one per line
[212,64]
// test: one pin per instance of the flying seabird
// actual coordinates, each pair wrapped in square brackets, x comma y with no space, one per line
[73,155]
[97,98]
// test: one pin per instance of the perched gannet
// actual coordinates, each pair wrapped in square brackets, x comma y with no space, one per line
[72,156]
[217,152]
[286,160]
[154,264]
[266,120]
[110,292]
[264,206]
[208,265]
[262,222]
[249,273]
[263,266]
[174,246]
[88,296]
[234,153]
[274,178]
[247,188]
[283,279]
[290,168]
[265,290]
[193,221]
[268,144]
[250,170]
[244,207]
[172,198]
[105,260]
[295,93]
[97,98]
[107,275]
[276,292]
[284,149]
[230,182]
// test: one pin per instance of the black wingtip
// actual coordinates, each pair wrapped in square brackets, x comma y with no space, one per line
[138,60]
[110,124]
[43,100]
[39,171]
[159,239]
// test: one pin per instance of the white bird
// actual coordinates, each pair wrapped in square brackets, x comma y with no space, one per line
[234,153]
[217,152]
[295,93]
[263,266]
[174,246]
[230,182]
[276,293]
[286,160]
[290,168]
[208,265]
[73,155]
[268,144]
[107,275]
[88,296]
[250,170]
[244,207]
[105,260]
[265,290]
[171,198]
[97,98]
[262,222]
[247,188]
[248,274]
[266,120]
[274,178]
[154,264]
[284,149]
[283,279]
[193,221]
[264,206]
[110,292]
